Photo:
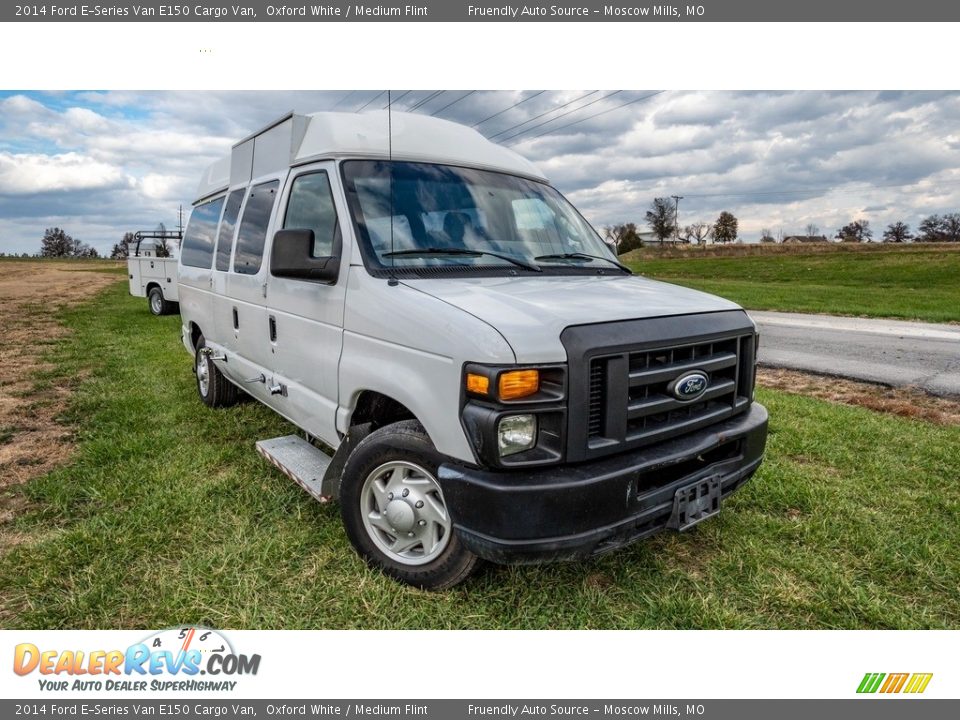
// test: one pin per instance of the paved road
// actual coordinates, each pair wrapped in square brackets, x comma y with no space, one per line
[891,352]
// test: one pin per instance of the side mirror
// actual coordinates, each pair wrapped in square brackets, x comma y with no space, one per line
[291,257]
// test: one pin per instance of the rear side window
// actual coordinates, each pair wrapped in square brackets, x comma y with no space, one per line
[227,224]
[253,228]
[197,249]
[311,207]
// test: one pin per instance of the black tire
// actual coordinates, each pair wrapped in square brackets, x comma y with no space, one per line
[220,392]
[157,304]
[406,442]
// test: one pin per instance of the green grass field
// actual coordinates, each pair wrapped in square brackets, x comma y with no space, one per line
[896,282]
[166,515]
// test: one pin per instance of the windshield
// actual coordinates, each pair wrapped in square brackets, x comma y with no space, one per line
[445,216]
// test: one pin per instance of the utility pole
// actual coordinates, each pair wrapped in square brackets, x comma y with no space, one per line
[676,214]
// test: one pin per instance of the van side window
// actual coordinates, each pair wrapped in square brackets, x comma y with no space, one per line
[227,224]
[197,248]
[311,207]
[253,228]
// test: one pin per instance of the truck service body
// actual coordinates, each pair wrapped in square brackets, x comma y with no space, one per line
[490,381]
[153,274]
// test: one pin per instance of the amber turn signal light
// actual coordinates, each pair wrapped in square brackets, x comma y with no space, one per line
[518,384]
[478,384]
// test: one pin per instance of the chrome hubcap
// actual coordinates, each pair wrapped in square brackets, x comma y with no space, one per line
[203,374]
[155,303]
[404,513]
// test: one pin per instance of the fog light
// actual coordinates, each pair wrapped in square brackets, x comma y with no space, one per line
[516,433]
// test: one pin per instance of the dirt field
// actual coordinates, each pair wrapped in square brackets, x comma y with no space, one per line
[32,441]
[905,402]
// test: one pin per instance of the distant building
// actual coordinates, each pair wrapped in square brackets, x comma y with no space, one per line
[797,239]
[650,238]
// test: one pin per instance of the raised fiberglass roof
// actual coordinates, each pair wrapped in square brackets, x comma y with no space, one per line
[296,139]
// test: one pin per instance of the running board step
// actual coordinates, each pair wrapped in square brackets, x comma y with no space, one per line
[302,462]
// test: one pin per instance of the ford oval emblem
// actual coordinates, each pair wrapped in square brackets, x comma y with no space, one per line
[689,386]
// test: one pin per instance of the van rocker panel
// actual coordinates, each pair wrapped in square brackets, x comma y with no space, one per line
[575,511]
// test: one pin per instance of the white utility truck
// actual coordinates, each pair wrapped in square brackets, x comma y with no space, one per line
[488,380]
[152,271]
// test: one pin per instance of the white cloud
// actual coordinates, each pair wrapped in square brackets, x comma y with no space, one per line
[161,187]
[26,174]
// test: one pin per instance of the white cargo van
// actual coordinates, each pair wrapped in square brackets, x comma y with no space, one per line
[488,380]
[152,271]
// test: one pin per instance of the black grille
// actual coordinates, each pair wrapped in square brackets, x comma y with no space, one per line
[619,372]
[596,399]
[630,403]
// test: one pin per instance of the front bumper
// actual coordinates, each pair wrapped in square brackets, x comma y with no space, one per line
[575,511]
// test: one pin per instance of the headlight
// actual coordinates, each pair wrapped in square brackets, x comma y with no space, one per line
[516,433]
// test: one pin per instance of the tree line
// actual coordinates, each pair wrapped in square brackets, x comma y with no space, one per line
[661,218]
[933,228]
[57,243]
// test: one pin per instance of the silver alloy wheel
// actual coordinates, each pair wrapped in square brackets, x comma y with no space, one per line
[404,513]
[156,303]
[203,374]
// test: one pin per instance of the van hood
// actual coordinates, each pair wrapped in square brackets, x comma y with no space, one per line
[531,312]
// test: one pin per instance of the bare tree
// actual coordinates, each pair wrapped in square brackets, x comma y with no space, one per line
[622,237]
[660,218]
[897,232]
[951,226]
[766,236]
[812,230]
[856,231]
[162,246]
[698,232]
[122,249]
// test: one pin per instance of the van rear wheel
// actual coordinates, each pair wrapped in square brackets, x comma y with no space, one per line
[394,512]
[214,389]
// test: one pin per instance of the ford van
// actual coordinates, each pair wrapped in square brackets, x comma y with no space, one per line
[473,373]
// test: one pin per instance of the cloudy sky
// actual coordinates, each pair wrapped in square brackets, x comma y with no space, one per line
[102,163]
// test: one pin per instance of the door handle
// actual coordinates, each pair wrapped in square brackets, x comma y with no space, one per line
[273,329]
[236,319]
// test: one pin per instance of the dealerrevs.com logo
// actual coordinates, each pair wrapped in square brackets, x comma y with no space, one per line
[173,659]
[890,683]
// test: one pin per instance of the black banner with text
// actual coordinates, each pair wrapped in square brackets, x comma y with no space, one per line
[465,11]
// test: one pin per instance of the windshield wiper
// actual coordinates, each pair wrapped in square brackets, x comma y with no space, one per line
[583,256]
[463,252]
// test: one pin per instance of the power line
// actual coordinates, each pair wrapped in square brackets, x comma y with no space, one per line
[391,102]
[569,112]
[343,99]
[425,100]
[450,104]
[537,117]
[590,117]
[371,100]
[497,114]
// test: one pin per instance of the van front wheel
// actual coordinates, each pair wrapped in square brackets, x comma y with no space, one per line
[394,512]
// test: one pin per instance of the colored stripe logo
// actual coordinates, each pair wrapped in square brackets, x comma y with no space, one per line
[913,683]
